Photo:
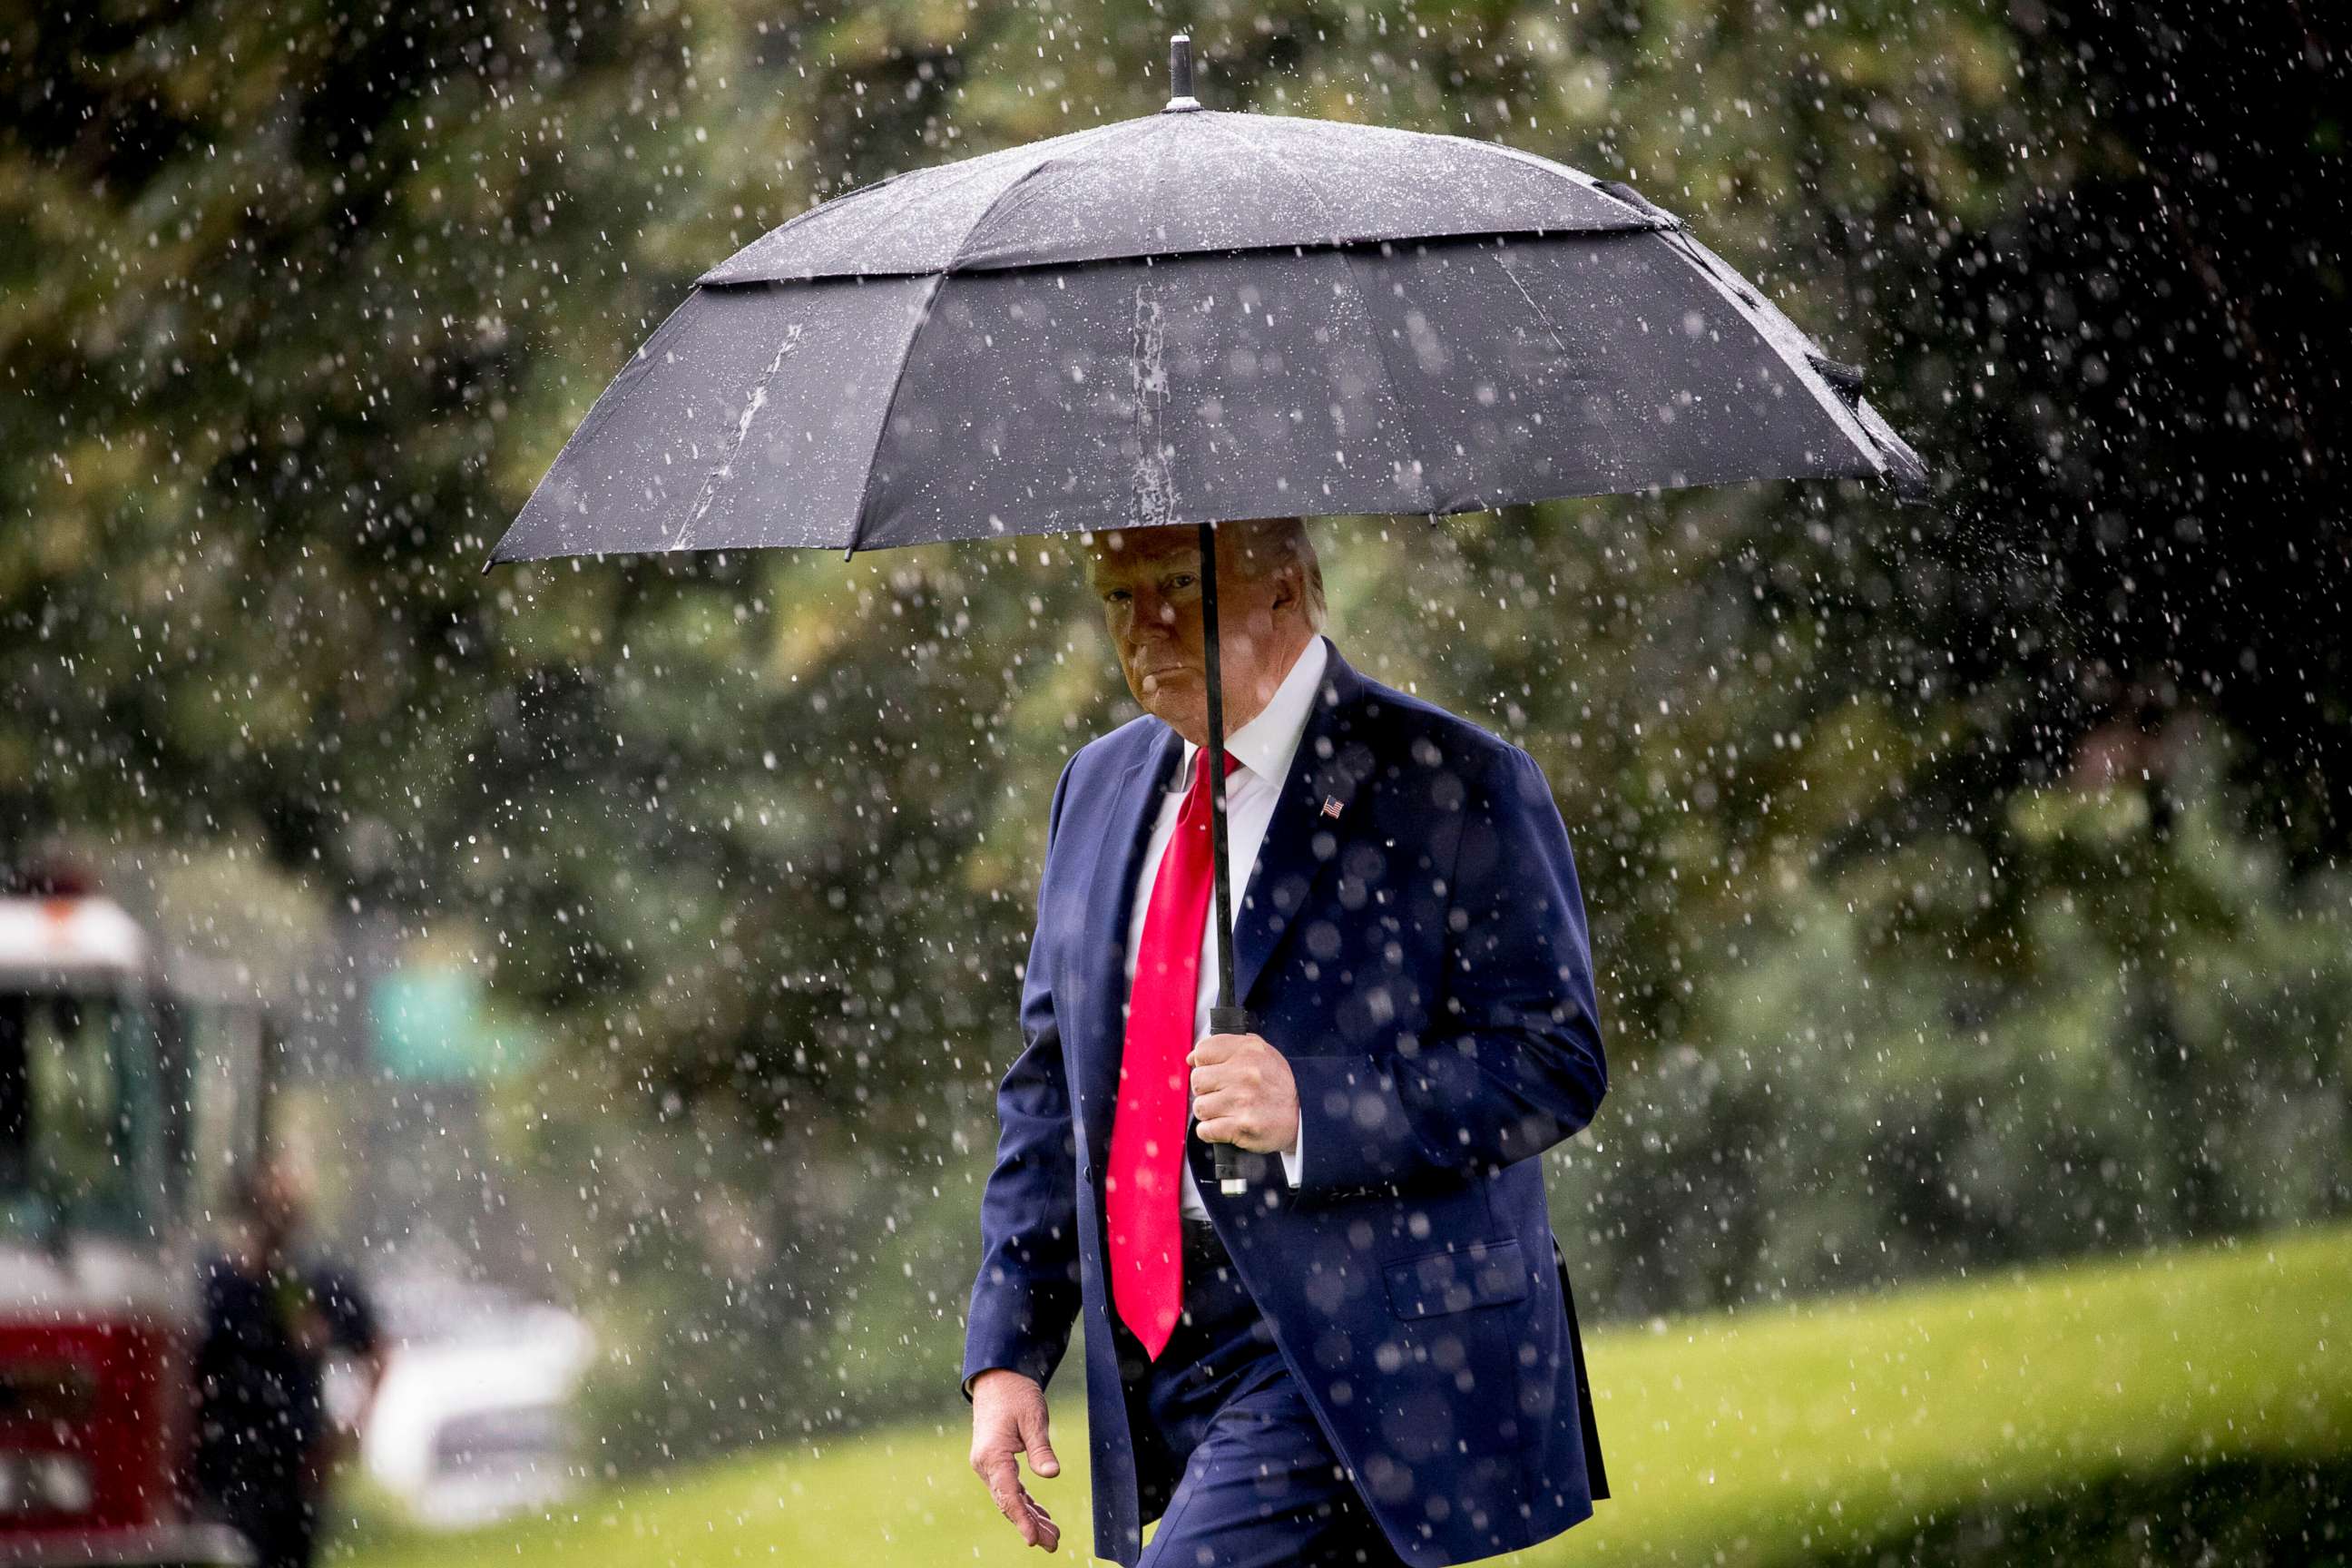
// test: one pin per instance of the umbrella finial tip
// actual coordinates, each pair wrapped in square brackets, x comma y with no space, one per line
[1180,74]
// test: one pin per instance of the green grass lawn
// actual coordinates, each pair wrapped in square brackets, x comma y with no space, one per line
[1746,1438]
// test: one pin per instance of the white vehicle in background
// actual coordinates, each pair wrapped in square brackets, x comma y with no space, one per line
[473,1421]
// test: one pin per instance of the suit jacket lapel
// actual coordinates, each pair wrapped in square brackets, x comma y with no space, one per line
[1302,837]
[1102,929]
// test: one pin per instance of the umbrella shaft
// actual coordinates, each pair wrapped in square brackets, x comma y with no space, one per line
[1225,1017]
[1212,757]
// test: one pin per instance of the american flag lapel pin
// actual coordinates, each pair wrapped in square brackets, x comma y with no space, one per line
[1330,806]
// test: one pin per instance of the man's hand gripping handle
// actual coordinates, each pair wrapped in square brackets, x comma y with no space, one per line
[1231,1021]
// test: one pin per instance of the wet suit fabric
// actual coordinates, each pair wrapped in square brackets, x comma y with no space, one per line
[1227,1450]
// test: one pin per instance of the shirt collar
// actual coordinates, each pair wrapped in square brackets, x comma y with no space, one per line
[1265,745]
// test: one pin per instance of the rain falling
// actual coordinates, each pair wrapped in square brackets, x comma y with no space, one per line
[606,834]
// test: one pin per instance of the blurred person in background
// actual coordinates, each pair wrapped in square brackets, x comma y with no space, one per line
[266,1443]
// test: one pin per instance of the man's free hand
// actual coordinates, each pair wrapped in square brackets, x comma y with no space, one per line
[1008,1420]
[1243,1093]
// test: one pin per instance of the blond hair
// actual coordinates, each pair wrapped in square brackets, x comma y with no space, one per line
[1284,538]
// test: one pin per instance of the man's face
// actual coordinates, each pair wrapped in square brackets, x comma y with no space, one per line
[1148,581]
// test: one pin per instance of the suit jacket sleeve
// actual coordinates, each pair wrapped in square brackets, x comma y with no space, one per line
[1026,1296]
[1512,1061]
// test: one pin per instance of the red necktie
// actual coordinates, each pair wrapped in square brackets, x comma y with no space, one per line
[1140,1204]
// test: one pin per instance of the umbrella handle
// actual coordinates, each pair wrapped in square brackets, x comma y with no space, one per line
[1231,1021]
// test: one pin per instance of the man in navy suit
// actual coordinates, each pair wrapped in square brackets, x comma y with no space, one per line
[1370,1356]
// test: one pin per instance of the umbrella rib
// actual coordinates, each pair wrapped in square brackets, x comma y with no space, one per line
[926,196]
[1583,181]
[914,193]
[1789,342]
[882,430]
[843,212]
[724,468]
[1388,371]
[1304,184]
[1091,134]
[1637,221]
[1541,314]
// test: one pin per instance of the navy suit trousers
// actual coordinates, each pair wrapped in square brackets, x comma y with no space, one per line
[1227,1450]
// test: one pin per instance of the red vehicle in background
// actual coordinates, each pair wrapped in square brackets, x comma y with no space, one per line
[130,1092]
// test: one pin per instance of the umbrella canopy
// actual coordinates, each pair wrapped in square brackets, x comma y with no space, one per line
[1179,183]
[1189,317]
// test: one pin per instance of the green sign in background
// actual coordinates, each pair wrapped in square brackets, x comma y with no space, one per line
[428,1026]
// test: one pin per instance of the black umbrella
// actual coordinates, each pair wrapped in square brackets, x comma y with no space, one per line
[1193,316]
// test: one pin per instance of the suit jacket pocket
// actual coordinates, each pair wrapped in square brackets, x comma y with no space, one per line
[1481,1273]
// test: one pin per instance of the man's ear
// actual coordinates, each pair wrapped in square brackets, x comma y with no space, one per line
[1290,588]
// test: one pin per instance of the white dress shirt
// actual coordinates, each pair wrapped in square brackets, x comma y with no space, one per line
[1262,751]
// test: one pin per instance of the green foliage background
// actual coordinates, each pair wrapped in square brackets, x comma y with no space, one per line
[1965,882]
